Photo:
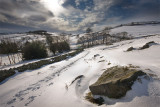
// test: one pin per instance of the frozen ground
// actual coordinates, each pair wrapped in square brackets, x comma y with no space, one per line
[50,86]
[140,30]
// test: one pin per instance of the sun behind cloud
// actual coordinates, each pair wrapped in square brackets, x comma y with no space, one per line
[54,6]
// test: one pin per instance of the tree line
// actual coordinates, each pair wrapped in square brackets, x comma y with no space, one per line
[103,37]
[31,49]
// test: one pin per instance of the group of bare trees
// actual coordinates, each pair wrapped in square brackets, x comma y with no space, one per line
[94,38]
[11,49]
[57,43]
[103,37]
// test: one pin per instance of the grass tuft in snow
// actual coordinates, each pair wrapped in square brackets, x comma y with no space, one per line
[89,97]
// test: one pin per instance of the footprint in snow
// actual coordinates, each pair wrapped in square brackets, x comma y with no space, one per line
[11,101]
[31,99]
[50,84]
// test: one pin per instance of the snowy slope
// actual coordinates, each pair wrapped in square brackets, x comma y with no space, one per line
[50,86]
[139,30]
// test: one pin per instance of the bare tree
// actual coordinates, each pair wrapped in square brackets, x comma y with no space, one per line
[105,34]
[8,47]
[1,61]
[89,30]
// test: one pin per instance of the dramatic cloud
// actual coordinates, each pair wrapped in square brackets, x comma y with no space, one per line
[73,15]
[27,13]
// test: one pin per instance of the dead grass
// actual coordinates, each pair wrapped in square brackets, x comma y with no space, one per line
[89,97]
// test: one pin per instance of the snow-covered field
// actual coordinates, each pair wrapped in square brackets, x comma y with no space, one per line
[50,86]
[140,30]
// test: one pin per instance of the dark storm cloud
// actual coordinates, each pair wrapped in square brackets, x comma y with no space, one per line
[27,13]
[6,6]
[133,8]
[9,27]
[26,5]
[38,18]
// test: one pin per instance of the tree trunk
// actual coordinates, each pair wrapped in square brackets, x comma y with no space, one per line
[1,61]
[9,59]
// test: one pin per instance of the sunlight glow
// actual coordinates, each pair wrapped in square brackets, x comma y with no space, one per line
[54,6]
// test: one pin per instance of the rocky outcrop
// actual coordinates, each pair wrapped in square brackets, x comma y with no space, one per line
[147,45]
[115,82]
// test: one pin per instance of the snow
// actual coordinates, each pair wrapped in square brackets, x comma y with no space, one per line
[5,60]
[73,42]
[50,86]
[138,30]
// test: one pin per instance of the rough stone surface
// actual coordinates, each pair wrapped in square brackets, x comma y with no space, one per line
[115,82]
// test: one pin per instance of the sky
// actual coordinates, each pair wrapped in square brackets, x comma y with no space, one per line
[73,15]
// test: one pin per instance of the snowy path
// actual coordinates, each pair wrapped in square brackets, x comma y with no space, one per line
[54,85]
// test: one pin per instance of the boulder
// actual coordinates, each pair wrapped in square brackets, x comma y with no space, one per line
[147,45]
[115,82]
[130,49]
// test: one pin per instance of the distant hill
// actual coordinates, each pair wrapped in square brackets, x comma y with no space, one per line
[137,23]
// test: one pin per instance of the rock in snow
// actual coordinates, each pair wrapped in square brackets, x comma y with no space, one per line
[115,82]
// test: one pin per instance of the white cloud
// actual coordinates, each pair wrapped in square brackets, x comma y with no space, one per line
[78,19]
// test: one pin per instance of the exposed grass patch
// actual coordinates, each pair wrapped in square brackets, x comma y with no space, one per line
[101,61]
[109,63]
[89,97]
[133,66]
[6,73]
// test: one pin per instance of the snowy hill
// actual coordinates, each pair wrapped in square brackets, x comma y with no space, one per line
[138,30]
[67,82]
[51,85]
